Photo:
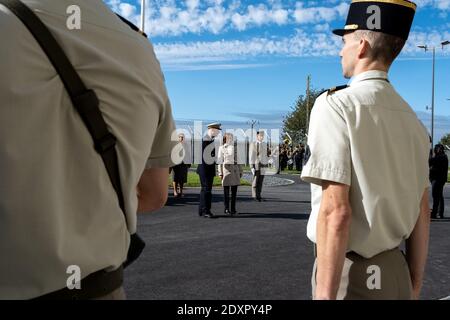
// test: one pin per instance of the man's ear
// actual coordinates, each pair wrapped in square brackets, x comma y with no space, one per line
[363,48]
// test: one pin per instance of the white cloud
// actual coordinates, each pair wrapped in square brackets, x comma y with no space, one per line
[299,45]
[304,15]
[239,53]
[430,38]
[173,18]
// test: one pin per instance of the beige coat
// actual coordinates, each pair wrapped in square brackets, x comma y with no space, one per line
[227,168]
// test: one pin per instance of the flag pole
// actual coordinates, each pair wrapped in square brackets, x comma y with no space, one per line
[142,15]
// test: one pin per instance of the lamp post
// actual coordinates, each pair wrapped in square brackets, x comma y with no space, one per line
[142,15]
[433,49]
[426,48]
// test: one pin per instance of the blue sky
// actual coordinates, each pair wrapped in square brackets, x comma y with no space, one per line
[232,61]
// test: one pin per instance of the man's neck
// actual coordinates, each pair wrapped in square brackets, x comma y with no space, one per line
[369,66]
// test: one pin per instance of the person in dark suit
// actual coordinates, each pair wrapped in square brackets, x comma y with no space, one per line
[438,178]
[207,170]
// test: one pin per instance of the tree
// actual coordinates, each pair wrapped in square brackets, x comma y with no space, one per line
[446,140]
[295,122]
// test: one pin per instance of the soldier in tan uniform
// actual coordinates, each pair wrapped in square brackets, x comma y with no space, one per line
[368,168]
[58,208]
[258,158]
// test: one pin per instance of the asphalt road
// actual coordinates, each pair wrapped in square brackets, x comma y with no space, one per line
[262,253]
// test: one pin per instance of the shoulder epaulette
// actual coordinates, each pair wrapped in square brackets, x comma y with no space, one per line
[131,25]
[335,89]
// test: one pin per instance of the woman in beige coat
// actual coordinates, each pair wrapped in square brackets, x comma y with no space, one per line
[229,171]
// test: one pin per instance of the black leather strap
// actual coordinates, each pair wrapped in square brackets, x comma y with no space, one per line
[84,100]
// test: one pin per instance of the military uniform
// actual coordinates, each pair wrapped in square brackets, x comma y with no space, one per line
[367,137]
[259,161]
[207,171]
[57,205]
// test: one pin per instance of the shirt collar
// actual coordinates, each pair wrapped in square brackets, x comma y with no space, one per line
[368,75]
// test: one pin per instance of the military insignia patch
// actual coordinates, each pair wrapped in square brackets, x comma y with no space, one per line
[335,89]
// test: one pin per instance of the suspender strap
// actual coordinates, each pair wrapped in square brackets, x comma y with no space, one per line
[84,100]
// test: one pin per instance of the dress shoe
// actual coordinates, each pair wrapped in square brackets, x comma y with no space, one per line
[233,212]
[208,215]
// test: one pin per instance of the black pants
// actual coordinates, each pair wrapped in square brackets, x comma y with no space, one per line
[437,191]
[226,193]
[205,193]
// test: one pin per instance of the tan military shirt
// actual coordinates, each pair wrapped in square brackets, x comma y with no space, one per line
[258,156]
[57,205]
[367,137]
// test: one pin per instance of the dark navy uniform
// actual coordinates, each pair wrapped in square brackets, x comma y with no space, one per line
[438,178]
[207,171]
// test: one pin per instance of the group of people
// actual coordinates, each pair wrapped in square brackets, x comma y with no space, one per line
[87,171]
[291,158]
[229,169]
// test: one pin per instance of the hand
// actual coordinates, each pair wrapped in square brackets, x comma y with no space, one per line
[253,171]
[221,177]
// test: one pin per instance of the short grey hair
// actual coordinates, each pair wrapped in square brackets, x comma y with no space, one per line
[384,47]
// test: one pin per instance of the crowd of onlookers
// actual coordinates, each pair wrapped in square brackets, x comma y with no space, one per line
[291,157]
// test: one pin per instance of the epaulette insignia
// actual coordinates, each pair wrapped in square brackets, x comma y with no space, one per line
[334,89]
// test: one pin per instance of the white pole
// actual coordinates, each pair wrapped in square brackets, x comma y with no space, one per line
[142,15]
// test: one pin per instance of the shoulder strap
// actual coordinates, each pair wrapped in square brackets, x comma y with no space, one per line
[84,100]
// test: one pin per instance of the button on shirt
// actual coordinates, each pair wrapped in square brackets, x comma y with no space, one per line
[367,137]
[57,205]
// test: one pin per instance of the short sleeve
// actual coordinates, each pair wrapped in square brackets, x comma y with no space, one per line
[160,155]
[329,145]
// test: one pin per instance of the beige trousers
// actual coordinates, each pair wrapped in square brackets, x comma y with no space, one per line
[383,277]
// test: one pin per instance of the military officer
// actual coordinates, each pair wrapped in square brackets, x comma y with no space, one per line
[258,163]
[207,170]
[368,167]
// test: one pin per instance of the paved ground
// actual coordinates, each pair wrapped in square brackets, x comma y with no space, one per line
[262,253]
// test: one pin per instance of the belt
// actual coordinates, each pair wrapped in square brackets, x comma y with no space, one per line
[95,285]
[354,253]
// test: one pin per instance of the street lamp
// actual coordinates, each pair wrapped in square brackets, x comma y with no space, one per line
[433,49]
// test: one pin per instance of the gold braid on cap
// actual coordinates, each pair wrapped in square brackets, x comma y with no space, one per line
[404,3]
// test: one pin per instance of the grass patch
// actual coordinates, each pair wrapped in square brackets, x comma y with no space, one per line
[290,172]
[193,180]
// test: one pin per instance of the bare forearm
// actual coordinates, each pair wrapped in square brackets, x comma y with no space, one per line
[417,247]
[333,233]
[152,189]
